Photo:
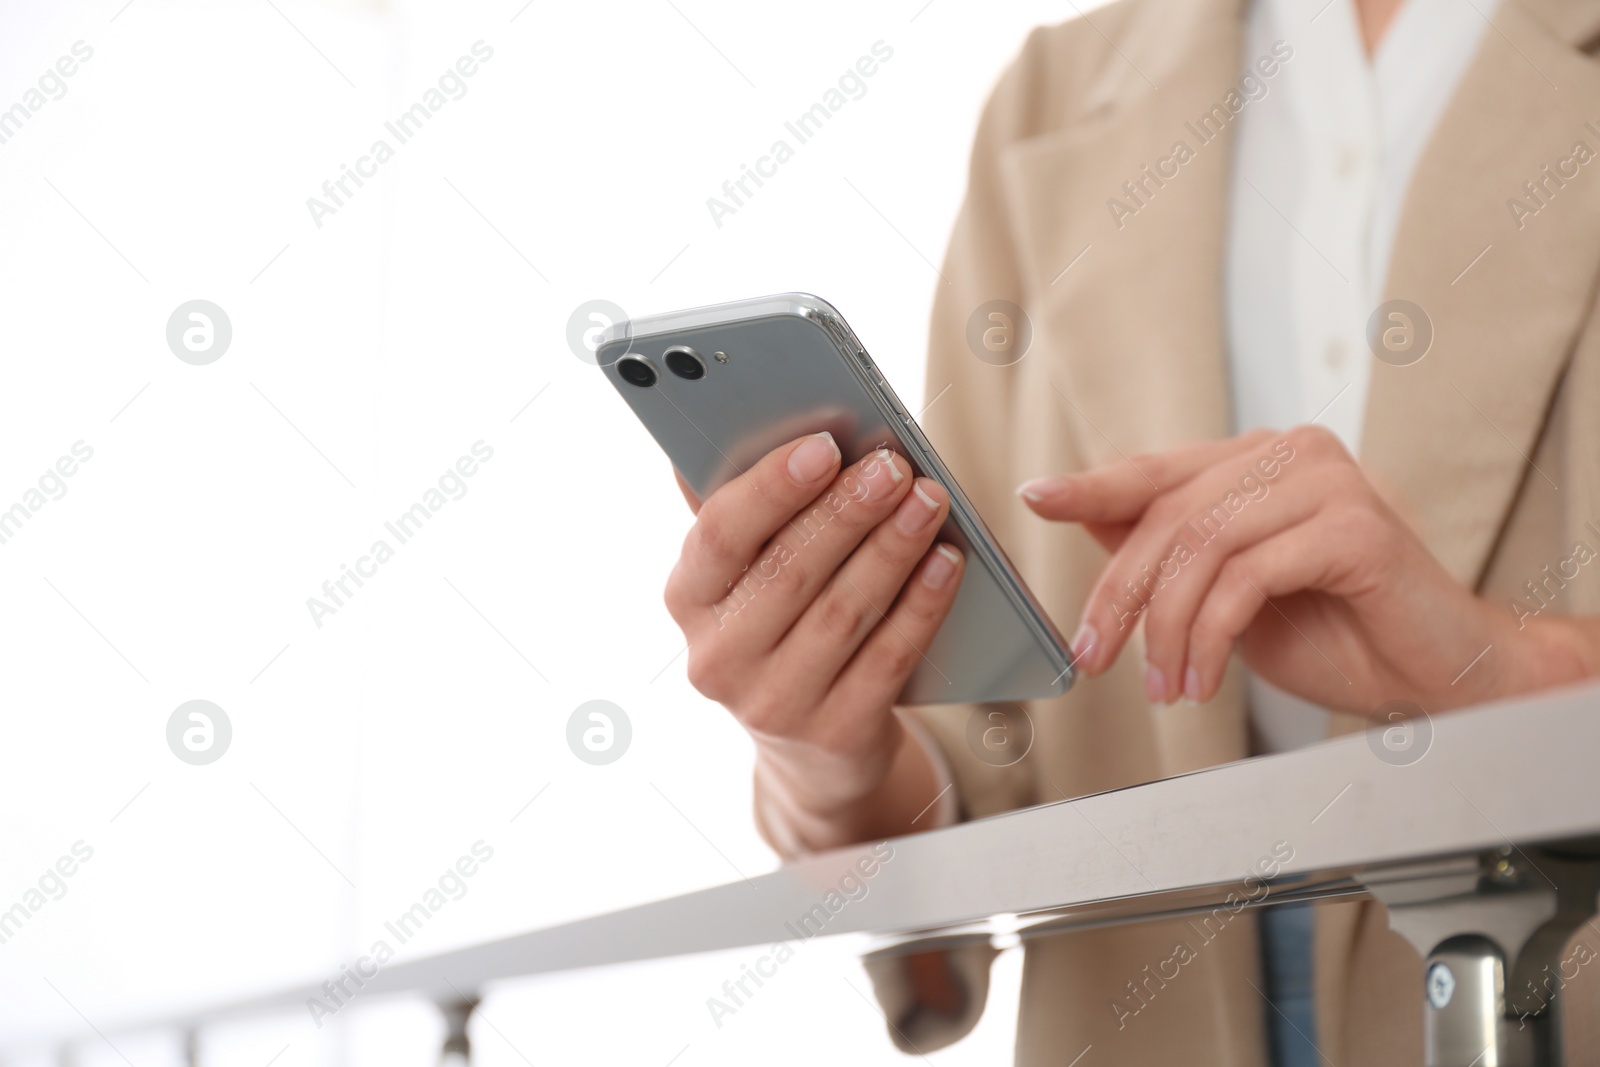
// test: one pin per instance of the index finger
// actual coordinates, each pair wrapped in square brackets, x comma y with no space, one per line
[1120,492]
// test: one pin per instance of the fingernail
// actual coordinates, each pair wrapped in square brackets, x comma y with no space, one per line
[1191,686]
[885,457]
[1039,488]
[1155,684]
[916,510]
[881,474]
[1083,643]
[813,458]
[941,567]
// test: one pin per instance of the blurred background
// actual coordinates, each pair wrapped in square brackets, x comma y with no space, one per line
[181,488]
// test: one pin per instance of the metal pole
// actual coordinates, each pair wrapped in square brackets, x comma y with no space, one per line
[457,1049]
[1493,946]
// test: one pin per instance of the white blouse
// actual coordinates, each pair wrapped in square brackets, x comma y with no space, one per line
[1321,169]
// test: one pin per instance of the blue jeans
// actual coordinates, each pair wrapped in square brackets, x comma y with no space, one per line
[1286,969]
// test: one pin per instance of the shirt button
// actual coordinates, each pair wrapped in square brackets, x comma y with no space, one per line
[1334,355]
[1349,161]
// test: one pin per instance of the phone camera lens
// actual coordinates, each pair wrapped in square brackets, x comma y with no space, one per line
[636,371]
[685,363]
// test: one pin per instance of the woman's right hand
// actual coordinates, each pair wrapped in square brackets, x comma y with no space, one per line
[808,595]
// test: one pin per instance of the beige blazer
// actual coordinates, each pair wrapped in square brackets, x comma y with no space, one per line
[1490,446]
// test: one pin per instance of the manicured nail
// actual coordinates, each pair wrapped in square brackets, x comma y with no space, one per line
[1155,684]
[886,458]
[1083,644]
[880,473]
[941,567]
[812,458]
[1040,488]
[916,510]
[1191,685]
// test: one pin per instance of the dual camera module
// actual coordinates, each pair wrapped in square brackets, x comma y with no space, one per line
[683,362]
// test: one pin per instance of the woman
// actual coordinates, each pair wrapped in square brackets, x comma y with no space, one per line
[1360,242]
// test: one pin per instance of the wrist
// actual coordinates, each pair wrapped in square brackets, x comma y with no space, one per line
[1530,655]
[1556,651]
[809,808]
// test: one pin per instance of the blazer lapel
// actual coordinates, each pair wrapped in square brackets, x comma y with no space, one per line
[1127,301]
[1575,21]
[1506,289]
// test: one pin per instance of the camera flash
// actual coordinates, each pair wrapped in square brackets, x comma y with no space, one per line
[720,357]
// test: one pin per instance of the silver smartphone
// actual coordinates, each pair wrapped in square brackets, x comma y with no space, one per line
[720,387]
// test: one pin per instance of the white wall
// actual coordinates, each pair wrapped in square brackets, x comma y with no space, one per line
[367,355]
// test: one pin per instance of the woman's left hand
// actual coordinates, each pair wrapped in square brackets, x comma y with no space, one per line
[1276,540]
